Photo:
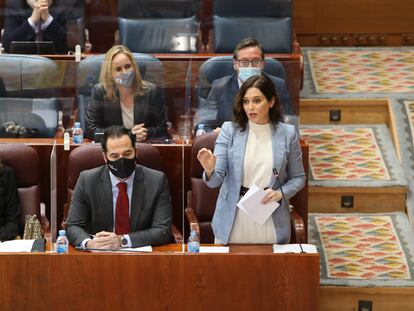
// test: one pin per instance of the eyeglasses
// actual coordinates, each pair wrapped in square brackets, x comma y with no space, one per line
[246,63]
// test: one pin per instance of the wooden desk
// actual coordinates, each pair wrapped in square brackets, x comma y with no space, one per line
[249,278]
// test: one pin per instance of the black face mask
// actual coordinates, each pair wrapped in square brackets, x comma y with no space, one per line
[121,168]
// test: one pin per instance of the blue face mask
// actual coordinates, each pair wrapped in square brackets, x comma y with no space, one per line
[246,72]
[125,79]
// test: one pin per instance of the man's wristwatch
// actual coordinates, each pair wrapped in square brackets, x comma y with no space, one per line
[124,241]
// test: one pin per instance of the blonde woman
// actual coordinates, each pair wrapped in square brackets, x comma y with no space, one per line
[123,98]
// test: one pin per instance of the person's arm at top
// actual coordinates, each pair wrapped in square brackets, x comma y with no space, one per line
[160,230]
[295,172]
[78,215]
[94,117]
[157,123]
[16,25]
[285,101]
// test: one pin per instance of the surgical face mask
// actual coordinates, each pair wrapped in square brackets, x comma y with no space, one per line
[125,79]
[247,72]
[122,167]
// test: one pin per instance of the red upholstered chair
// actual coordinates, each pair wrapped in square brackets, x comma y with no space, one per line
[201,200]
[26,166]
[90,156]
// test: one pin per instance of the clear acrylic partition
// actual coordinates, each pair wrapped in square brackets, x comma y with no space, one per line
[53,197]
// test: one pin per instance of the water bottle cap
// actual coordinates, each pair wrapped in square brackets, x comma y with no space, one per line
[201,126]
[62,232]
[193,232]
[77,124]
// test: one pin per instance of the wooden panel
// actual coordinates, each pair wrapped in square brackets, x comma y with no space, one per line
[246,280]
[353,111]
[392,20]
[341,298]
[366,200]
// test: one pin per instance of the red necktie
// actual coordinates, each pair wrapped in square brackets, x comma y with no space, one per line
[122,210]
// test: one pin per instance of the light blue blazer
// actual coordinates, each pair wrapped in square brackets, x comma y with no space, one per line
[230,149]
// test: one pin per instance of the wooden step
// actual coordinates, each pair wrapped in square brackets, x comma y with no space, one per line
[346,298]
[365,199]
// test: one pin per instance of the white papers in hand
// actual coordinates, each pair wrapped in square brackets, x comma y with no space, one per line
[294,248]
[214,249]
[250,204]
[19,246]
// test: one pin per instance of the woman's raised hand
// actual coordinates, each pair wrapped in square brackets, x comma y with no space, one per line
[207,160]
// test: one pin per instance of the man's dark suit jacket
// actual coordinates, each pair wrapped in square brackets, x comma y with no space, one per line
[91,209]
[9,205]
[148,109]
[17,28]
[223,93]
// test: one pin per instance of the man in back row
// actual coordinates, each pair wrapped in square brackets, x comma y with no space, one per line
[119,204]
[248,60]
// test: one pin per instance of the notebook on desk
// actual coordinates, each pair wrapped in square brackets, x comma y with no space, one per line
[32,47]
[23,246]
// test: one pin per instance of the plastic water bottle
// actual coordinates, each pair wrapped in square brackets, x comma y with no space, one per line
[193,242]
[200,130]
[62,243]
[77,134]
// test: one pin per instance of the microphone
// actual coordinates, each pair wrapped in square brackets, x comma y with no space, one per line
[290,208]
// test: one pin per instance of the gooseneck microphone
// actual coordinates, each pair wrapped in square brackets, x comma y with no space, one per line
[290,208]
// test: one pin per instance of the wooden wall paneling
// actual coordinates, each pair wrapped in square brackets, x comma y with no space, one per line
[354,22]
[246,280]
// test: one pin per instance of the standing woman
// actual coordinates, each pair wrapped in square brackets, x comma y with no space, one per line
[123,98]
[9,204]
[245,153]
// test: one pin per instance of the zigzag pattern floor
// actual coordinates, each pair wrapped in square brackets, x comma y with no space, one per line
[350,84]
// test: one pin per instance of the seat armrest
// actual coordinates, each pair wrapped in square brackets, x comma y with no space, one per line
[178,238]
[190,215]
[44,222]
[65,215]
[298,226]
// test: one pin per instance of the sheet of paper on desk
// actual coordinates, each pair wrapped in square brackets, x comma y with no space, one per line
[142,249]
[294,248]
[16,246]
[214,249]
[250,204]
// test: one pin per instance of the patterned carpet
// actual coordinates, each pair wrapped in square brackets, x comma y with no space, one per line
[345,154]
[409,106]
[372,249]
[342,70]
[352,156]
[360,249]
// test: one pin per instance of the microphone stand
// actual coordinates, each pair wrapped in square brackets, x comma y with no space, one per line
[292,222]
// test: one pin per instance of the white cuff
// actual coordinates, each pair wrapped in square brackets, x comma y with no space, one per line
[33,25]
[47,23]
[83,243]
[128,238]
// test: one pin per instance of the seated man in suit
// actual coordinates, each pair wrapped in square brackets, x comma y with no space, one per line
[40,20]
[248,60]
[119,204]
